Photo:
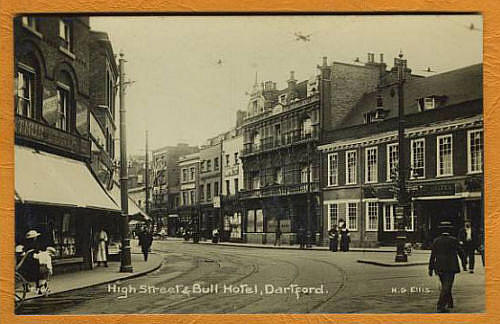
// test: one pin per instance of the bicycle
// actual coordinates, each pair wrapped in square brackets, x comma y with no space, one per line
[21,284]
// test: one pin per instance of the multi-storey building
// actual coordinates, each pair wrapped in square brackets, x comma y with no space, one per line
[210,186]
[232,182]
[280,135]
[166,181]
[443,156]
[189,166]
[64,132]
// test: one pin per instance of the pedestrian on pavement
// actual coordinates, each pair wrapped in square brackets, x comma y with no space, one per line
[29,266]
[481,245]
[102,242]
[446,251]
[333,235]
[215,235]
[467,236]
[345,236]
[145,241]
[277,239]
[301,237]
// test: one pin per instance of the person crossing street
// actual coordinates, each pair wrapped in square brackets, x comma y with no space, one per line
[446,251]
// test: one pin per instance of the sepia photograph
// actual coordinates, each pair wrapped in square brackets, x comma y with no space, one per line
[248,164]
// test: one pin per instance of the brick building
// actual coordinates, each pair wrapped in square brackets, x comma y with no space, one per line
[64,133]
[282,130]
[210,183]
[166,181]
[189,166]
[232,183]
[443,152]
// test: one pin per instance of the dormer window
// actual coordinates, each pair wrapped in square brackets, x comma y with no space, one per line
[282,99]
[431,102]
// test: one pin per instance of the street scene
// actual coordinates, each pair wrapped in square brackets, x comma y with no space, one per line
[249,164]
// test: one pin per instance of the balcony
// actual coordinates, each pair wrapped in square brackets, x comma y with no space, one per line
[280,190]
[39,133]
[273,143]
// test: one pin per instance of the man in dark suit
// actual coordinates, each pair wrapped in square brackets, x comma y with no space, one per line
[444,261]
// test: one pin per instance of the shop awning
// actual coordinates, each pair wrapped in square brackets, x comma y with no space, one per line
[133,209]
[48,179]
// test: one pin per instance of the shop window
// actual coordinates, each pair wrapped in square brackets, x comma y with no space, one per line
[418,158]
[250,221]
[333,168]
[333,215]
[352,216]
[371,165]
[259,221]
[475,150]
[444,155]
[392,161]
[62,232]
[351,166]
[371,216]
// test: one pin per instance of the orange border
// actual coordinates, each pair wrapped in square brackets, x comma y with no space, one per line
[491,14]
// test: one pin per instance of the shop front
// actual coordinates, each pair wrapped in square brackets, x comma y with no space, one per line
[61,199]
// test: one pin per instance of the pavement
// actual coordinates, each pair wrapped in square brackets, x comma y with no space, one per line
[100,275]
[386,249]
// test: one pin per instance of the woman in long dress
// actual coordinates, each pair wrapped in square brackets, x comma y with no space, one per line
[102,241]
[344,236]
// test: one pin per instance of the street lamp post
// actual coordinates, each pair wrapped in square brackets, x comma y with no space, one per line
[126,260]
[402,194]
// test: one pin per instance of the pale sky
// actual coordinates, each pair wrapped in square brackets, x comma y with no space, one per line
[181,94]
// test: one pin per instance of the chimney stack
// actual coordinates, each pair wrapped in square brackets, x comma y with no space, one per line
[325,61]
[381,57]
[292,76]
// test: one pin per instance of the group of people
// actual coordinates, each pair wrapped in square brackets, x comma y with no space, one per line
[339,233]
[445,255]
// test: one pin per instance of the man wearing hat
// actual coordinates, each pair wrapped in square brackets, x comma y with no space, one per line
[446,251]
[30,267]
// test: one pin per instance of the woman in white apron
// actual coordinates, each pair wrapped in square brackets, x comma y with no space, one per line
[102,240]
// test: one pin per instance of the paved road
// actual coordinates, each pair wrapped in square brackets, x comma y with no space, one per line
[240,280]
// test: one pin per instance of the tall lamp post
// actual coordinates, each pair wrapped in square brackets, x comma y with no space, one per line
[126,260]
[402,208]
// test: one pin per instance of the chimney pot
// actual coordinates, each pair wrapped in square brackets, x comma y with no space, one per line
[292,75]
[325,61]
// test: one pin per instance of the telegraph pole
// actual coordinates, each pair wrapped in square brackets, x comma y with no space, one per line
[403,206]
[146,175]
[126,260]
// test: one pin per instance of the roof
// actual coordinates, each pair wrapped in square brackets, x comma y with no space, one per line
[457,86]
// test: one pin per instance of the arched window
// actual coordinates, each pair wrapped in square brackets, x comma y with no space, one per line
[28,87]
[65,103]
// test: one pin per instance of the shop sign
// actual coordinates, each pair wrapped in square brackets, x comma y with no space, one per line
[43,134]
[436,190]
[285,226]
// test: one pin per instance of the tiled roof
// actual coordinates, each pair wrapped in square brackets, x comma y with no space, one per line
[457,86]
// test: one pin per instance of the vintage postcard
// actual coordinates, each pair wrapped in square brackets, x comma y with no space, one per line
[248,164]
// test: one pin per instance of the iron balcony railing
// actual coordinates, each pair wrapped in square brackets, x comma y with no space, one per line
[271,143]
[280,190]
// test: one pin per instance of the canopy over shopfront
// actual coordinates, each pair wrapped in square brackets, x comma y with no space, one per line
[133,210]
[48,179]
